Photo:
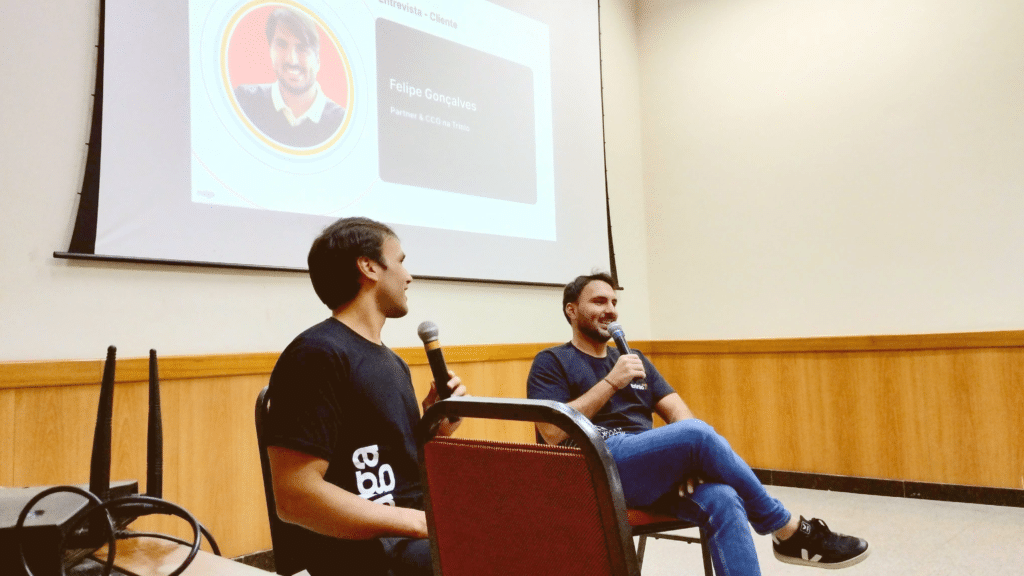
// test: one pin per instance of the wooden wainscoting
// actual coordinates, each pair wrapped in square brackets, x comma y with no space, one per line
[211,464]
[933,408]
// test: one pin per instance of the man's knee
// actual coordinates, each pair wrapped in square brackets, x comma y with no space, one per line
[719,500]
[693,431]
[701,433]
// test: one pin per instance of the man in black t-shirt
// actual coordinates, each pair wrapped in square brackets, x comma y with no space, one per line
[342,411]
[684,468]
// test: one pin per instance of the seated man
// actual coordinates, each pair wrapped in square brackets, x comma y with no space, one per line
[618,393]
[343,457]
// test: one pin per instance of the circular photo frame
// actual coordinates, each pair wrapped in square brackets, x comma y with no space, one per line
[287,77]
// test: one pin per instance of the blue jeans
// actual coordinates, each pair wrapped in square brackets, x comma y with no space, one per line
[408,556]
[653,463]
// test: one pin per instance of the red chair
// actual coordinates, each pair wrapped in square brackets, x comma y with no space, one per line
[649,524]
[517,509]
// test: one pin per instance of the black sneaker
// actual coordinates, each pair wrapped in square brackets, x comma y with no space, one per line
[814,544]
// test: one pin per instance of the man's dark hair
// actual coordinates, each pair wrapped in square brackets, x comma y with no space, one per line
[298,23]
[332,258]
[575,288]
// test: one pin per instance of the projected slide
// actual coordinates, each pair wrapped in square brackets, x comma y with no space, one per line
[234,131]
[428,114]
[441,104]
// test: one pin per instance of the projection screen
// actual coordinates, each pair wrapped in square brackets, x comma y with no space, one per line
[234,131]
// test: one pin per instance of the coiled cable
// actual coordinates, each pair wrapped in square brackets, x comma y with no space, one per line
[136,506]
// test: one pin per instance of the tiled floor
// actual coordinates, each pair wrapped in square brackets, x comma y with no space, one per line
[908,537]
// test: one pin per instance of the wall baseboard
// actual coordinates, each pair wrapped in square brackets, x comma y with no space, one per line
[894,488]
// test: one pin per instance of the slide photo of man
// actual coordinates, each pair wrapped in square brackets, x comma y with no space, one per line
[293,110]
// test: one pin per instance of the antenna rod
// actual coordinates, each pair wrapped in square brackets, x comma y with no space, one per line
[155,439]
[99,470]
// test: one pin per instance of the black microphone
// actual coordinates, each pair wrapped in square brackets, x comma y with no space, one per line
[615,329]
[428,333]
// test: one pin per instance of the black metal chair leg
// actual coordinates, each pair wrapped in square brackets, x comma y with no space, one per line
[706,552]
[640,547]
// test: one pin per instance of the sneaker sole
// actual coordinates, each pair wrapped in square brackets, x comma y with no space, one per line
[833,566]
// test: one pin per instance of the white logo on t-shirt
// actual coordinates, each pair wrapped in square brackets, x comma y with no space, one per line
[373,483]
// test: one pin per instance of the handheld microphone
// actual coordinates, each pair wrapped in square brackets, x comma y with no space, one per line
[615,329]
[428,333]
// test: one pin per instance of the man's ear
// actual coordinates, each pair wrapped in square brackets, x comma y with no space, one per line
[570,311]
[369,268]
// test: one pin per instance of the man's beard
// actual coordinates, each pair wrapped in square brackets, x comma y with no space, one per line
[593,332]
[392,308]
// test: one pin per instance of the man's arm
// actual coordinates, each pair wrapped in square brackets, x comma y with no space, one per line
[305,498]
[588,405]
[671,408]
[627,368]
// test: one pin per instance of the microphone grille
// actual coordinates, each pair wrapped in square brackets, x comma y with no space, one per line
[614,327]
[427,331]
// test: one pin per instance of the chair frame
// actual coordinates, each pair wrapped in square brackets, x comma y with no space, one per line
[658,526]
[619,532]
[283,563]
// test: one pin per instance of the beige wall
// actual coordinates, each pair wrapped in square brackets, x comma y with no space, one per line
[54,309]
[776,168]
[823,167]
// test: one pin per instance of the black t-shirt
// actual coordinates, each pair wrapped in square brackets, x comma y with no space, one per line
[337,396]
[563,373]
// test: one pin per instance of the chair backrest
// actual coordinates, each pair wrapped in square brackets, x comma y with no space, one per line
[286,562]
[501,508]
